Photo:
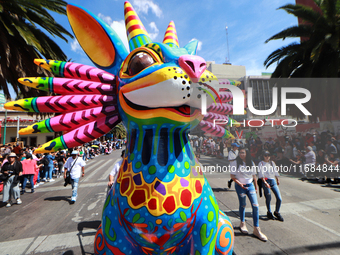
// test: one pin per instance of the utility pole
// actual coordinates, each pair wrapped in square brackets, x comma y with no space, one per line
[227,60]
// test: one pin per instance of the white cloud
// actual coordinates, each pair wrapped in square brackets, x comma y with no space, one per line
[199,47]
[154,30]
[75,46]
[144,6]
[118,27]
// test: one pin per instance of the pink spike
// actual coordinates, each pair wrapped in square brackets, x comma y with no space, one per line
[210,117]
[90,131]
[223,109]
[69,121]
[73,86]
[226,96]
[72,103]
[84,72]
[209,128]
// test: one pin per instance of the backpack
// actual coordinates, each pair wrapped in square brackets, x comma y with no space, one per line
[44,161]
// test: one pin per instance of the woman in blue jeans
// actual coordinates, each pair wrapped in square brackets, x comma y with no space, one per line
[243,173]
[270,181]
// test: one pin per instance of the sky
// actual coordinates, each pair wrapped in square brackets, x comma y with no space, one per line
[249,24]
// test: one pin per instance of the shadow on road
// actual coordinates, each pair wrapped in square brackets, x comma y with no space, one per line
[87,224]
[59,198]
[306,249]
[220,189]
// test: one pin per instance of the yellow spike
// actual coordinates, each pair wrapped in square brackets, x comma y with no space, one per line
[43,64]
[29,81]
[26,131]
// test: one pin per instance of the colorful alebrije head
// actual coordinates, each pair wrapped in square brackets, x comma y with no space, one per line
[155,82]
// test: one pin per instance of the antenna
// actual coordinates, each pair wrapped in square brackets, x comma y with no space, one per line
[227,59]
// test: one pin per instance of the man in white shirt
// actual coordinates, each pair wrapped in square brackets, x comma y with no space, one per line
[76,166]
[310,160]
[114,172]
[232,155]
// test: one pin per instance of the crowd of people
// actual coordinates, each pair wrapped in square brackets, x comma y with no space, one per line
[312,155]
[20,165]
[255,166]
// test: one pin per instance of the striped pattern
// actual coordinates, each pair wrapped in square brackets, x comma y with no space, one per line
[223,109]
[136,32]
[76,71]
[68,86]
[218,131]
[60,103]
[170,37]
[226,97]
[81,135]
[69,121]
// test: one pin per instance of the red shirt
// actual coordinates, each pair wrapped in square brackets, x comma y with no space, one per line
[29,166]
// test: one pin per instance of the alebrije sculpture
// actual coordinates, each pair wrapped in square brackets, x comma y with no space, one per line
[162,202]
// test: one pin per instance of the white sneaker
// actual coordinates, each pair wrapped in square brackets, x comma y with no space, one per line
[44,180]
[51,180]
[19,202]
[9,204]
[37,185]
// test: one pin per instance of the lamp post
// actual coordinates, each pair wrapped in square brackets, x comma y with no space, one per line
[18,126]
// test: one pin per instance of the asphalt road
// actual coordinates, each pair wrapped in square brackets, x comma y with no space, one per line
[46,223]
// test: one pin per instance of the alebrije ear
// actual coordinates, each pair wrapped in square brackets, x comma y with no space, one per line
[191,47]
[170,37]
[136,32]
[98,40]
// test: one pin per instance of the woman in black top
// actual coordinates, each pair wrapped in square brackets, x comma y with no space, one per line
[12,169]
[61,159]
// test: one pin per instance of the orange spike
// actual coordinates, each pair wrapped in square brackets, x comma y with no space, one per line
[170,37]
[136,32]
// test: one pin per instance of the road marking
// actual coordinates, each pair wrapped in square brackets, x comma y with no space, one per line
[95,171]
[48,243]
[305,206]
[83,185]
[105,176]
[317,224]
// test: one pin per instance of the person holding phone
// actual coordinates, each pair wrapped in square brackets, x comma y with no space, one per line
[243,173]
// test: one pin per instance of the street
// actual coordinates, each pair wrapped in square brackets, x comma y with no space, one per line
[46,223]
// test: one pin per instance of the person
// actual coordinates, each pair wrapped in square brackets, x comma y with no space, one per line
[299,163]
[17,149]
[30,168]
[61,159]
[243,173]
[232,155]
[114,172]
[310,159]
[330,147]
[270,181]
[49,167]
[12,169]
[76,166]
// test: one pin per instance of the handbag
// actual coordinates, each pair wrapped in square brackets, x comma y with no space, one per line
[68,175]
[3,177]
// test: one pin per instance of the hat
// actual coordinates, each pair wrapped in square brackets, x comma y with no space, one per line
[266,153]
[235,145]
[309,148]
[12,154]
[74,153]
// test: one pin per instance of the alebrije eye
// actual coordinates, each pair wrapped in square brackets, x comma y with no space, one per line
[139,62]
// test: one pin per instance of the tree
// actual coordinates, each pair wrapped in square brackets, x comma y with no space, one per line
[119,131]
[22,41]
[316,55]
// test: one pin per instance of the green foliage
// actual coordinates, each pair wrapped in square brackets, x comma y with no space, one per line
[119,131]
[317,54]
[22,41]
